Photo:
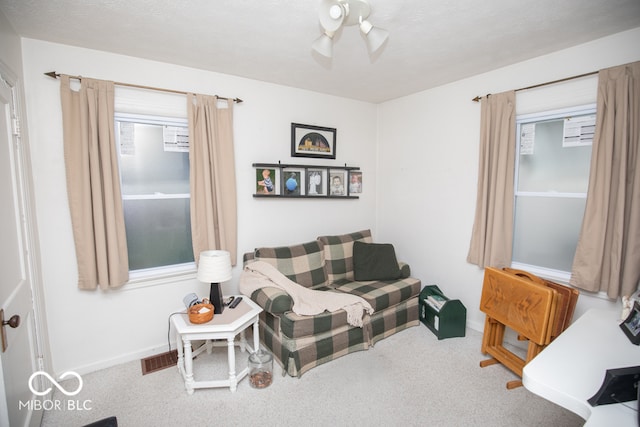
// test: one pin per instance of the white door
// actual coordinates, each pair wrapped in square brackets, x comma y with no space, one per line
[19,358]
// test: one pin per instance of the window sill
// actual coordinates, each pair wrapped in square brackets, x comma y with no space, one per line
[558,276]
[160,276]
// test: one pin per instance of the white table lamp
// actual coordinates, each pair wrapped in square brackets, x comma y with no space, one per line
[215,267]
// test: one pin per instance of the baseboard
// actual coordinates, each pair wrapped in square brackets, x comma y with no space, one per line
[476,326]
[125,358]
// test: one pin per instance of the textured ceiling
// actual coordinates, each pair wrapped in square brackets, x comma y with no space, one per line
[431,42]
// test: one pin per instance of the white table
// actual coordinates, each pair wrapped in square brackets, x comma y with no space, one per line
[224,326]
[571,369]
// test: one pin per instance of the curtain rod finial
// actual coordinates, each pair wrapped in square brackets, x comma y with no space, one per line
[52,74]
[477,98]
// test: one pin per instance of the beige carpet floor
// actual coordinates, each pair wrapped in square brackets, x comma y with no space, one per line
[408,379]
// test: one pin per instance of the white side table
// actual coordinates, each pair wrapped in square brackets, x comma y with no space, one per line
[224,326]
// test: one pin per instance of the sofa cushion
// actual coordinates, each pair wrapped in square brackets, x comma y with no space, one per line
[338,254]
[375,261]
[296,326]
[382,294]
[303,264]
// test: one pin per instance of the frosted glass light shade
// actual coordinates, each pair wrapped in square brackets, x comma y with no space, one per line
[214,266]
[375,37]
[324,45]
[332,14]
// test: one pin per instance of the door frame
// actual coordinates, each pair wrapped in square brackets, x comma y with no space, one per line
[24,173]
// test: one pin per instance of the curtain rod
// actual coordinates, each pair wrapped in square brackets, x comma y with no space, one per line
[55,75]
[478,98]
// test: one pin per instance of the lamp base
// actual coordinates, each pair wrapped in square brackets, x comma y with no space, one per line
[215,296]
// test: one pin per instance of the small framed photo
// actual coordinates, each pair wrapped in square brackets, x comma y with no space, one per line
[355,182]
[338,182]
[631,325]
[267,181]
[316,181]
[313,141]
[293,180]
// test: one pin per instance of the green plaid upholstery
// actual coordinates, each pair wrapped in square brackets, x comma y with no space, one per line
[297,356]
[300,343]
[248,257]
[338,254]
[271,320]
[405,270]
[273,300]
[303,264]
[295,326]
[382,294]
[394,319]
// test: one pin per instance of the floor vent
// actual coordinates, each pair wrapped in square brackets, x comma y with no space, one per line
[159,362]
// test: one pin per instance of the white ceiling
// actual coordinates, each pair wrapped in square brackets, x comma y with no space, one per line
[431,42]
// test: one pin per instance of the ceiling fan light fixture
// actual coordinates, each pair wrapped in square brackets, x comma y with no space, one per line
[332,14]
[365,26]
[324,44]
[375,37]
[335,11]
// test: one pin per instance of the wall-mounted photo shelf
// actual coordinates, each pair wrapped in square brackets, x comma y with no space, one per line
[307,181]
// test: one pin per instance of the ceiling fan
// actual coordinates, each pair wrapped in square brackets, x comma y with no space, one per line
[334,14]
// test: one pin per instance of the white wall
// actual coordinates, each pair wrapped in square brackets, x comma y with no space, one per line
[94,329]
[419,186]
[428,151]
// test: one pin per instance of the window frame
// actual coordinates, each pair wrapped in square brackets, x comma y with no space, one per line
[579,110]
[161,274]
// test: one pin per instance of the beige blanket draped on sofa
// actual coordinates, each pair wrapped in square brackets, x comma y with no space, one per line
[306,302]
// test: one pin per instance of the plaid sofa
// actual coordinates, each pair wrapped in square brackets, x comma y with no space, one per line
[300,343]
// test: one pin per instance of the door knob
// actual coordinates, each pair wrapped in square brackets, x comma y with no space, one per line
[13,322]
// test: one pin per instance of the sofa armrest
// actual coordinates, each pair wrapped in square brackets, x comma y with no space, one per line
[405,270]
[273,300]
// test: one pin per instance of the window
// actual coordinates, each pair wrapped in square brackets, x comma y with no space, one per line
[551,179]
[154,173]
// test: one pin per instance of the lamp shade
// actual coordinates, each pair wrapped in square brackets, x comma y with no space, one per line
[324,45]
[332,14]
[375,37]
[214,266]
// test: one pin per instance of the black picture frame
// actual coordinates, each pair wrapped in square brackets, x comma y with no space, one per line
[631,325]
[619,385]
[305,181]
[313,141]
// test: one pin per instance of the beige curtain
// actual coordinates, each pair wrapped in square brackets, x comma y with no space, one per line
[491,238]
[212,176]
[608,253]
[93,184]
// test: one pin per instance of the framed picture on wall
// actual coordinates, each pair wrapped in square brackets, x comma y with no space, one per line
[267,181]
[293,182]
[355,182]
[313,141]
[316,182]
[338,182]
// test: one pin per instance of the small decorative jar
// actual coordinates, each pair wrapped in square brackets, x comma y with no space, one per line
[260,369]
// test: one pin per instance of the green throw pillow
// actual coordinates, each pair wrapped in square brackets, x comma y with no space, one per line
[375,261]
